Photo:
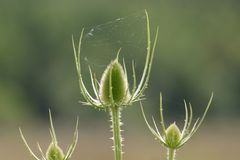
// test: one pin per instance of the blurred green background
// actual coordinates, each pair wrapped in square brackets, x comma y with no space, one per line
[198,52]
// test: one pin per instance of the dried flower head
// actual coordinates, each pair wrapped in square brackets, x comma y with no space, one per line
[54,152]
[113,90]
[172,137]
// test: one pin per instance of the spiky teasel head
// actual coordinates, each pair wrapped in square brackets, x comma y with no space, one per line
[172,137]
[54,152]
[113,90]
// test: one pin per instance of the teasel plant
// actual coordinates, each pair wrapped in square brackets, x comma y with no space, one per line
[172,138]
[112,93]
[54,152]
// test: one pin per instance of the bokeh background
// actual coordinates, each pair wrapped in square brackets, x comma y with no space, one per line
[198,52]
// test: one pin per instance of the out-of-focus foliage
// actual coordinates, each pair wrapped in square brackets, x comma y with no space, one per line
[198,52]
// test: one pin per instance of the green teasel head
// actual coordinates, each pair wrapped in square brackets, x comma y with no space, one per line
[172,137]
[113,89]
[54,152]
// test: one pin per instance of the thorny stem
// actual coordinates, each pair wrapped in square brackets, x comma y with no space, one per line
[117,139]
[171,154]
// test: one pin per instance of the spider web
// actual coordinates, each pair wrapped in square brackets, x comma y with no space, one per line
[101,42]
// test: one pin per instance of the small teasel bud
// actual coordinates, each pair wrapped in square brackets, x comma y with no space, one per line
[173,136]
[114,84]
[54,152]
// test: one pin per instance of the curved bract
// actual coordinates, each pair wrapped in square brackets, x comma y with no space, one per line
[54,152]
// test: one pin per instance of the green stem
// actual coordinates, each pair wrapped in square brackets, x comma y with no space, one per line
[117,139]
[171,154]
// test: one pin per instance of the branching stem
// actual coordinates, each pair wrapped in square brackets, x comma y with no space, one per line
[117,139]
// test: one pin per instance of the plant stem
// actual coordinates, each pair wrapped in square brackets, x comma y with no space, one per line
[171,154]
[117,139]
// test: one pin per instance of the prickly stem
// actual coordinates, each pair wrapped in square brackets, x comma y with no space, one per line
[171,154]
[115,113]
